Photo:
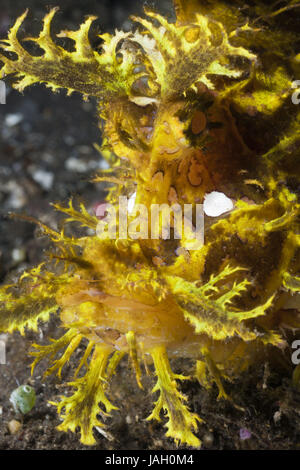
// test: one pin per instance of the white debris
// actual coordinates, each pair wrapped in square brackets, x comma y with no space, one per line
[43,178]
[277,416]
[18,255]
[106,434]
[17,197]
[216,203]
[75,164]
[128,419]
[12,120]
[103,164]
[80,165]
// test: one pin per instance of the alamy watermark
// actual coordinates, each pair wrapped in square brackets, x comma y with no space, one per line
[161,221]
[2,352]
[296,94]
[2,92]
[296,354]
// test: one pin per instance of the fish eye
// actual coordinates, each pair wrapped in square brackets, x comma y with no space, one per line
[27,389]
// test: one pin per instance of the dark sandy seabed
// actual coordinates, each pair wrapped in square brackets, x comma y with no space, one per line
[45,156]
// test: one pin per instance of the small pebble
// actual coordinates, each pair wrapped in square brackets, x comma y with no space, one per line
[12,120]
[17,198]
[277,417]
[81,166]
[158,443]
[14,426]
[18,255]
[128,419]
[44,179]
[69,140]
[103,164]
[75,164]
[85,149]
[208,439]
